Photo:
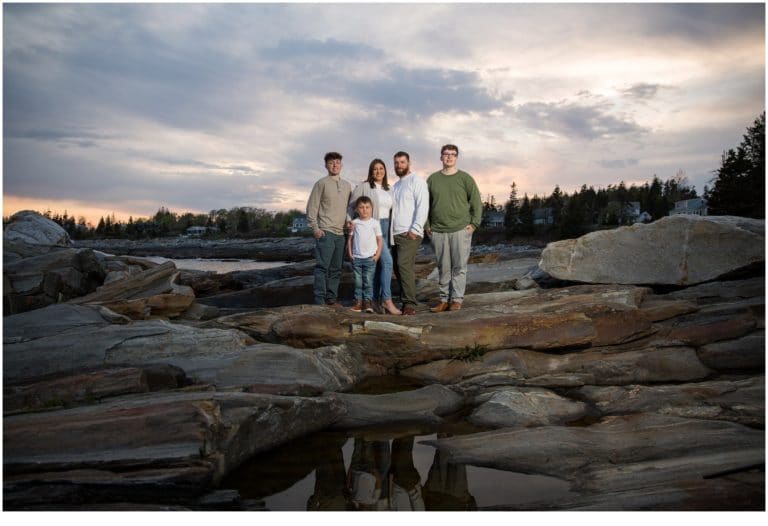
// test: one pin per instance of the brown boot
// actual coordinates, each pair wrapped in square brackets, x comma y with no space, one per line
[358,307]
[367,307]
[455,305]
[440,307]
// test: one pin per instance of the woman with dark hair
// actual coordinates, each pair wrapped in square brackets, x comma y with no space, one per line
[377,188]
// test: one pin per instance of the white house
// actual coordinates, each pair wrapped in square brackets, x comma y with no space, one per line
[300,223]
[493,219]
[696,206]
[632,209]
[197,231]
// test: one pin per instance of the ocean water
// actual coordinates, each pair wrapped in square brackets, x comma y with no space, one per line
[220,266]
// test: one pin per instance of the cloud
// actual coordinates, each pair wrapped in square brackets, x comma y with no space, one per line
[574,120]
[618,163]
[641,91]
[425,91]
[308,49]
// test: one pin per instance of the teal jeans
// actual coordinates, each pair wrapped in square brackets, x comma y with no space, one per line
[329,256]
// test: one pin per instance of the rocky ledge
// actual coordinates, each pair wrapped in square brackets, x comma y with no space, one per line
[636,395]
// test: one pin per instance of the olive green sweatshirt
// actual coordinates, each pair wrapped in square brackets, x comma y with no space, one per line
[454,202]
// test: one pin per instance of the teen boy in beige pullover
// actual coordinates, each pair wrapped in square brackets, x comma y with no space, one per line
[327,214]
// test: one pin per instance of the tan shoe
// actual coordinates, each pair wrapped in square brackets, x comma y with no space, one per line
[455,305]
[440,307]
[367,307]
[358,307]
[390,308]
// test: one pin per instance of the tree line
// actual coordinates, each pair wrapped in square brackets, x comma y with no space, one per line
[738,188]
[564,215]
[244,222]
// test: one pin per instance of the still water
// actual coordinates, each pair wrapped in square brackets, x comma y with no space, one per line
[383,469]
[220,266]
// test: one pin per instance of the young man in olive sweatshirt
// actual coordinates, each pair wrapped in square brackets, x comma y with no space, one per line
[455,212]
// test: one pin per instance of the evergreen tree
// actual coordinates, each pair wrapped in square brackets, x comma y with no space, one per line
[512,211]
[739,186]
[526,216]
[242,222]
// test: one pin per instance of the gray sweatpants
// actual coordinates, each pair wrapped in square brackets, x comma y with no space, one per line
[452,251]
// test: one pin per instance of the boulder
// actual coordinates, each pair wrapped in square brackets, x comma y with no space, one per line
[570,452]
[87,387]
[741,354]
[740,401]
[122,448]
[599,366]
[66,338]
[525,407]
[675,250]
[151,292]
[33,228]
[57,275]
[422,406]
[558,319]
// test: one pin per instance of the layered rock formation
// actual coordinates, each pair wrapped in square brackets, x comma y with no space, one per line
[634,397]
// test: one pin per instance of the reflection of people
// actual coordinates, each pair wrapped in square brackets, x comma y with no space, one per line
[380,480]
[368,475]
[329,483]
[377,188]
[405,489]
[455,212]
[410,206]
[364,248]
[326,214]
[447,488]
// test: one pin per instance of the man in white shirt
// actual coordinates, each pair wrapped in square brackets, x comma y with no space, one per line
[410,207]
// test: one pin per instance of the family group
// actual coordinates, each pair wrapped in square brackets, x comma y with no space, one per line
[380,227]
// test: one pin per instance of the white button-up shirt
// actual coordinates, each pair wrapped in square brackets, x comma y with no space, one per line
[410,205]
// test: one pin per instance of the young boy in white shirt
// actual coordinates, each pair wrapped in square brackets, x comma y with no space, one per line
[364,249]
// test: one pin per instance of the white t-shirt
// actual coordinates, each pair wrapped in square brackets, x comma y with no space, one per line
[364,234]
[383,202]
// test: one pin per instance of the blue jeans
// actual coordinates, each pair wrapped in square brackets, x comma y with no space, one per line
[382,281]
[364,270]
[329,256]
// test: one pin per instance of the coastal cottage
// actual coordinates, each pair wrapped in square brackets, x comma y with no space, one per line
[300,224]
[697,206]
[493,219]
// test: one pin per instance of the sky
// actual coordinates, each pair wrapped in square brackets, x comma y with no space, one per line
[124,108]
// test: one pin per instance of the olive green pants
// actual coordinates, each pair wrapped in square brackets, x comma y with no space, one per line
[404,255]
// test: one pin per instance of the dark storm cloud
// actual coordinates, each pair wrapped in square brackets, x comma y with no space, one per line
[575,120]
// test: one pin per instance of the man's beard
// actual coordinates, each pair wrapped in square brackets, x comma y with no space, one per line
[401,171]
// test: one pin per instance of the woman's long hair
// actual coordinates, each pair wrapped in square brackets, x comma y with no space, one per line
[371,180]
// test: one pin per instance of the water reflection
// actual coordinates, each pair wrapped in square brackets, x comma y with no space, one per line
[380,471]
[220,266]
